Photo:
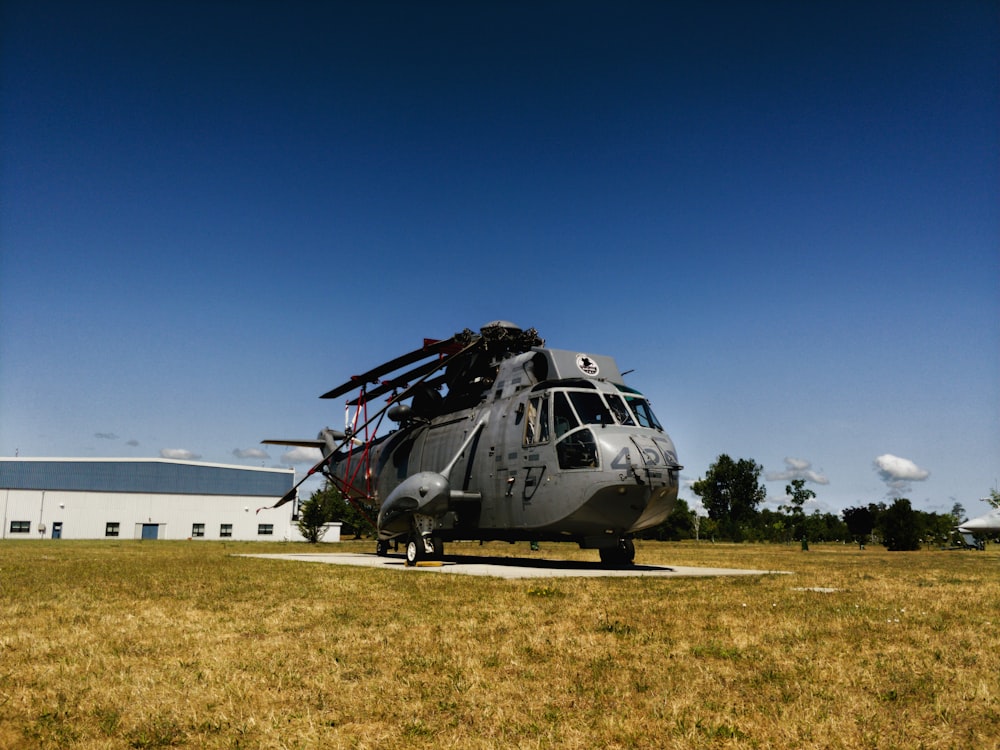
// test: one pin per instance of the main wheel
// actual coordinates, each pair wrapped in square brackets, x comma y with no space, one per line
[628,548]
[415,551]
[621,555]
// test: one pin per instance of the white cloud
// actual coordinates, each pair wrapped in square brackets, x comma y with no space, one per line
[302,456]
[797,468]
[105,435]
[898,473]
[179,453]
[892,467]
[250,453]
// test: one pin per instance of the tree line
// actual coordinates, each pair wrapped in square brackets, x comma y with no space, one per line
[731,494]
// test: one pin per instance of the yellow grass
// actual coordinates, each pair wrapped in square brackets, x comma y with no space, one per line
[183,644]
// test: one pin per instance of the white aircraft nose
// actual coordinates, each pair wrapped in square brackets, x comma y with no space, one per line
[989,522]
[977,525]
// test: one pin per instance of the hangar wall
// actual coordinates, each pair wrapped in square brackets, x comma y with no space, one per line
[144,499]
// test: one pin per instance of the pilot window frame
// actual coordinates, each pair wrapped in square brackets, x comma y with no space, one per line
[536,421]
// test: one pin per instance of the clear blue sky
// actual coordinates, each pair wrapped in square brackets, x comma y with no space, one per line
[783,216]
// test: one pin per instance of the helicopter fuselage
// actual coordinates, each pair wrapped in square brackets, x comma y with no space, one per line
[555,448]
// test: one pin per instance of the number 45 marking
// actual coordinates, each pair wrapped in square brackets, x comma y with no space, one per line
[650,456]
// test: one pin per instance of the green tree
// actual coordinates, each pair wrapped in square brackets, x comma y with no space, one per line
[356,517]
[318,511]
[706,528]
[878,513]
[937,527]
[731,492]
[825,527]
[772,526]
[902,527]
[798,496]
[860,523]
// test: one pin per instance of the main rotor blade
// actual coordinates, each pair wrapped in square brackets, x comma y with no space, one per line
[373,375]
[300,443]
[439,364]
[399,381]
[291,494]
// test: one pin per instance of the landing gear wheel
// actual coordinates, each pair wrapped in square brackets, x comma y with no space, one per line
[628,548]
[415,551]
[620,556]
[381,548]
[438,548]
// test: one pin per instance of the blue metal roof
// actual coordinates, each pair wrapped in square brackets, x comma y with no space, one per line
[158,476]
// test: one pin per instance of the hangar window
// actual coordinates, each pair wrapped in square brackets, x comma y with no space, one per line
[265,528]
[197,529]
[226,529]
[111,528]
[20,527]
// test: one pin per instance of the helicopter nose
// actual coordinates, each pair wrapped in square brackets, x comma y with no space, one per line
[648,474]
[658,507]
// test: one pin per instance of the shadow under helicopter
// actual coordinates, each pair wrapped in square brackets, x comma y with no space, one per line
[511,567]
[533,563]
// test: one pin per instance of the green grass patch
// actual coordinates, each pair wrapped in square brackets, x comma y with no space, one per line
[185,644]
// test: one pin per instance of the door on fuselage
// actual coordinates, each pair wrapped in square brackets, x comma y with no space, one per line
[523,455]
[522,427]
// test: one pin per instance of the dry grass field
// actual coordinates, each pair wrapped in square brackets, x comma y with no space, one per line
[183,644]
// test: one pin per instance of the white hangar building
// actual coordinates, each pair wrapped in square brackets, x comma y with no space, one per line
[144,498]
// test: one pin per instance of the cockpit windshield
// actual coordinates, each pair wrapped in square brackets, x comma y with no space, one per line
[619,409]
[643,412]
[595,408]
[590,407]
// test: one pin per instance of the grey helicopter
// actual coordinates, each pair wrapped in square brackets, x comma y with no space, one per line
[499,438]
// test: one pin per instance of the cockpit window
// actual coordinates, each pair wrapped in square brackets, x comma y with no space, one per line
[536,425]
[619,409]
[578,451]
[590,408]
[576,448]
[564,417]
[643,412]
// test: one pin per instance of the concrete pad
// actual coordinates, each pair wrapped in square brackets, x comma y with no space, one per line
[513,567]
